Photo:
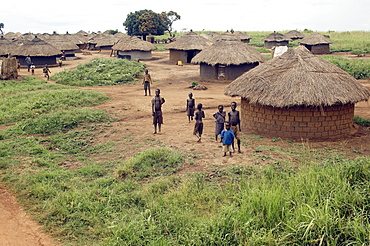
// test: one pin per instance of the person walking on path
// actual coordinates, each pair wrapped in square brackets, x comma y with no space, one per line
[46,72]
[234,120]
[157,102]
[190,107]
[220,117]
[28,62]
[146,82]
[198,127]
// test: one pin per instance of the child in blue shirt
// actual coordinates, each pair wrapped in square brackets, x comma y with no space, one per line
[227,139]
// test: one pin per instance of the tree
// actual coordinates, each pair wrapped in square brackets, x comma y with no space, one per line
[169,18]
[145,22]
[1,27]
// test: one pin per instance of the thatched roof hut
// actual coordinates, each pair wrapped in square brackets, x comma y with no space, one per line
[298,95]
[275,39]
[64,44]
[40,52]
[317,43]
[294,35]
[186,47]
[245,38]
[227,59]
[7,46]
[134,49]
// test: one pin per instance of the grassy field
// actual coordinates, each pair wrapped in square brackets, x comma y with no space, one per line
[49,157]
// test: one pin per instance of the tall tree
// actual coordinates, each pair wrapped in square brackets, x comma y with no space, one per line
[145,22]
[169,18]
[1,27]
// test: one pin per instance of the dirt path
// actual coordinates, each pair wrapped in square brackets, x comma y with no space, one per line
[134,109]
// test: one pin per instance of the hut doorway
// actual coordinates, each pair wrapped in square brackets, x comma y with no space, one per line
[221,72]
[190,55]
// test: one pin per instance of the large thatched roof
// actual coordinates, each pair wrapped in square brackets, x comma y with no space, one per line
[228,52]
[297,78]
[294,34]
[277,37]
[134,43]
[189,41]
[61,42]
[315,38]
[37,47]
[6,46]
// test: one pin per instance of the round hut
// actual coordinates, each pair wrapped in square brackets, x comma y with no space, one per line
[275,39]
[298,95]
[7,47]
[317,43]
[40,52]
[186,47]
[227,59]
[134,49]
[294,35]
[63,44]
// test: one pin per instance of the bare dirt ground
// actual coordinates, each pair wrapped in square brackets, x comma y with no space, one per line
[134,109]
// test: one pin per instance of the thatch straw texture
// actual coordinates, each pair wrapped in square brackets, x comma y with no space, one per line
[314,39]
[189,41]
[6,46]
[228,53]
[275,36]
[294,34]
[297,78]
[37,47]
[134,43]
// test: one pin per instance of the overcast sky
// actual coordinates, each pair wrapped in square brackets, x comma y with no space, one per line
[45,16]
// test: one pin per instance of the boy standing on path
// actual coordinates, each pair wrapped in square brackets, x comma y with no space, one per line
[198,128]
[234,120]
[46,72]
[190,107]
[227,139]
[146,82]
[157,102]
[220,116]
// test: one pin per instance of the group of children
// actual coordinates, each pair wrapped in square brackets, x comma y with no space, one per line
[228,130]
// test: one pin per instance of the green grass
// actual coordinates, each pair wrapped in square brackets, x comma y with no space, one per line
[359,69]
[101,72]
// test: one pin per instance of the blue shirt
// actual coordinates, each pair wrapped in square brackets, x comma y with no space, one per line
[227,137]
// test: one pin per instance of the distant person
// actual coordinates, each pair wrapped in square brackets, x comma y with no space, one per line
[28,62]
[33,69]
[198,127]
[234,120]
[220,117]
[46,72]
[60,62]
[227,139]
[147,80]
[63,57]
[157,102]
[190,107]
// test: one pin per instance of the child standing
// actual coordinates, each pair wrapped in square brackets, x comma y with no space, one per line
[190,107]
[198,128]
[227,139]
[220,120]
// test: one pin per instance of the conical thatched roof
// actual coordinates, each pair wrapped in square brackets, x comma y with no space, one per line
[228,52]
[294,34]
[61,42]
[37,47]
[297,78]
[134,43]
[7,47]
[189,41]
[315,38]
[275,36]
[242,35]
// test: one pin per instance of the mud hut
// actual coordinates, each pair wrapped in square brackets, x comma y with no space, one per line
[227,60]
[186,47]
[275,39]
[317,43]
[40,52]
[294,35]
[134,49]
[298,96]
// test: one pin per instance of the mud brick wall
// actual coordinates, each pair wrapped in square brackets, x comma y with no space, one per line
[297,122]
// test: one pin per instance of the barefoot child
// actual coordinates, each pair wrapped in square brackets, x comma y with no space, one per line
[227,139]
[220,116]
[234,120]
[198,128]
[190,107]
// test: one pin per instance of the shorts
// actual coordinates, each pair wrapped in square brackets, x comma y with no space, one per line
[146,85]
[158,118]
[227,148]
[198,128]
[190,111]
[236,131]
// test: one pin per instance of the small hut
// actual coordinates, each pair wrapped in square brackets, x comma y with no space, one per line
[227,60]
[275,39]
[40,52]
[134,49]
[317,43]
[245,38]
[298,96]
[186,47]
[294,35]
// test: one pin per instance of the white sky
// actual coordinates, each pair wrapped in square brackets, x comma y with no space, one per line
[40,16]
